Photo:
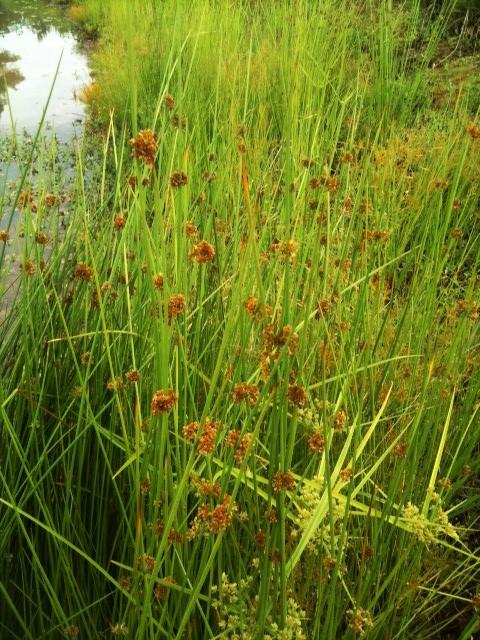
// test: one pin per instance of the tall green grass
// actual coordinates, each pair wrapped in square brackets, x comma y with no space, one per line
[342,209]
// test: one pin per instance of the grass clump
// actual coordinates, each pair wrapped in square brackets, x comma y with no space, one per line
[239,390]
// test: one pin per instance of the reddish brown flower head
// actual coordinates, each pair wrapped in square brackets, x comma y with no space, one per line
[206,440]
[41,238]
[324,308]
[175,537]
[178,179]
[158,281]
[72,631]
[207,488]
[400,450]
[307,163]
[289,249]
[169,102]
[245,392]
[316,183]
[232,438]
[240,444]
[119,222]
[260,539]
[176,306]
[83,272]
[202,252]
[243,447]
[161,589]
[252,307]
[24,199]
[145,147]
[332,184]
[340,420]
[29,268]
[191,230]
[272,516]
[145,487]
[51,200]
[189,431]
[316,442]
[219,518]
[296,395]
[283,481]
[163,402]
[115,384]
[346,474]
[132,376]
[147,563]
[4,236]
[160,592]
[473,131]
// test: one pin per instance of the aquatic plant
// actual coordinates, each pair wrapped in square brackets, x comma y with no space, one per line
[239,387]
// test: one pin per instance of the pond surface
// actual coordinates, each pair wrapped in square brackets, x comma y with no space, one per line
[35,37]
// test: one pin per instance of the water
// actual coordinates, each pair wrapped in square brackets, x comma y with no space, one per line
[34,36]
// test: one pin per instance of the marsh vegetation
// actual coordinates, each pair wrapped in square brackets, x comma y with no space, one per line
[239,387]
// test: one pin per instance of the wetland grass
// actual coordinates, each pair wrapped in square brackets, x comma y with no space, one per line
[239,391]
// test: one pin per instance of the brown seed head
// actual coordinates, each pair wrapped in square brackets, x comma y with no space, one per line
[145,487]
[296,395]
[283,481]
[473,131]
[191,230]
[202,252]
[316,442]
[169,102]
[119,222]
[242,448]
[132,376]
[158,280]
[163,402]
[178,179]
[176,306]
[242,392]
[145,147]
[189,431]
[206,440]
[289,249]
[83,272]
[332,183]
[340,420]
[29,268]
[232,438]
[41,238]
[219,518]
[24,199]
[115,384]
[346,474]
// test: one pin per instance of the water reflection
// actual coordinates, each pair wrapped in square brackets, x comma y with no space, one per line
[11,76]
[34,35]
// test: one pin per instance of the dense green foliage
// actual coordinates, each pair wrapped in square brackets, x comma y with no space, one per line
[239,386]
